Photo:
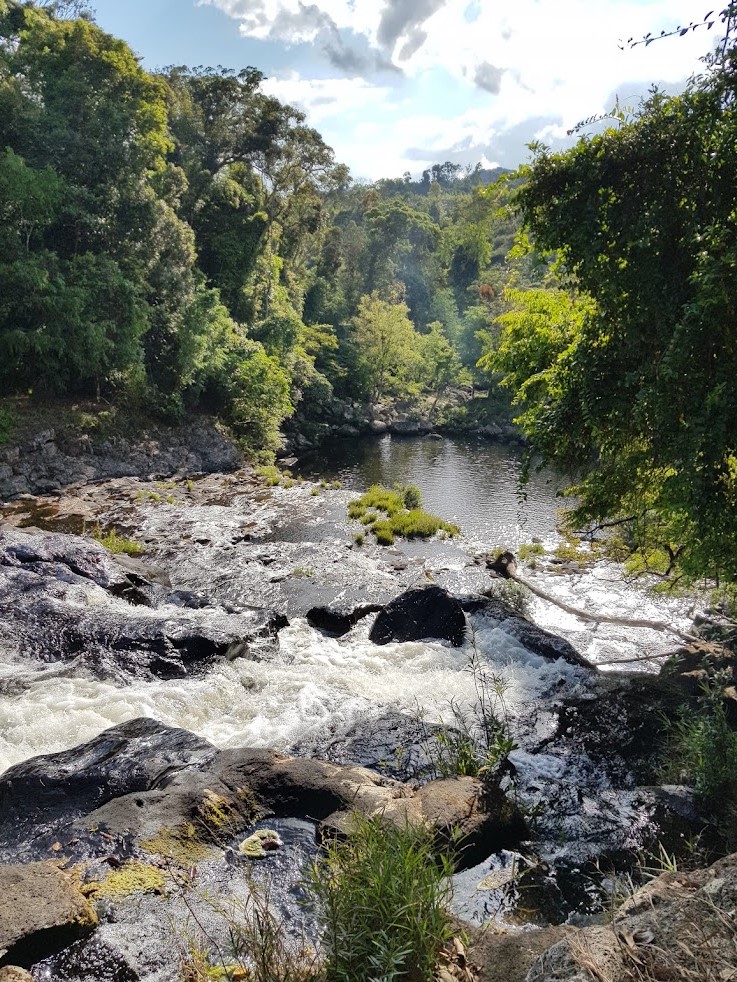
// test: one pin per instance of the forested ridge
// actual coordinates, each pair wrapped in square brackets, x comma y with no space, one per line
[184,241]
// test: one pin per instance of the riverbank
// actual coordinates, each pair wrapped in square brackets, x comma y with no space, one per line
[47,447]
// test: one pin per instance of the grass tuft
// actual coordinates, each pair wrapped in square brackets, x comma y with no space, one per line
[380,897]
[387,513]
[117,544]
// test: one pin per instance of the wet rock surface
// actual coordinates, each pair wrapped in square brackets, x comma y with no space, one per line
[427,612]
[67,598]
[532,637]
[133,814]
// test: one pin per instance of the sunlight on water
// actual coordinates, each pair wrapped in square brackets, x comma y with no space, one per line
[311,683]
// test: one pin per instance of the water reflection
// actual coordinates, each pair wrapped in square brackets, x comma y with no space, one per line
[472,482]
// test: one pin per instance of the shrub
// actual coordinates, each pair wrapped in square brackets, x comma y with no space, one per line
[8,424]
[383,532]
[380,898]
[701,749]
[412,496]
[260,948]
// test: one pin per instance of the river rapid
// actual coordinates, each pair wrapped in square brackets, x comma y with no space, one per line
[290,549]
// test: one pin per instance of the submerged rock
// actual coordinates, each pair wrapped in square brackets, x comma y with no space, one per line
[426,612]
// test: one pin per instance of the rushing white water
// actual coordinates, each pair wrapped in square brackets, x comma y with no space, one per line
[311,683]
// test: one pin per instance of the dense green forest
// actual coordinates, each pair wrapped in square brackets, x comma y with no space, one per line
[625,366]
[185,241]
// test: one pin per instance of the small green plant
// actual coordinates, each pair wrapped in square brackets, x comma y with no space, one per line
[701,750]
[189,485]
[152,496]
[116,543]
[359,538]
[303,572]
[381,900]
[528,551]
[477,740]
[514,594]
[8,424]
[570,551]
[270,474]
[260,947]
[315,492]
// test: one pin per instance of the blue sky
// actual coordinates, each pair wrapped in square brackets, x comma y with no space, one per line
[397,85]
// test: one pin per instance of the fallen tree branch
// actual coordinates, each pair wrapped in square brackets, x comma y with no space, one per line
[584,615]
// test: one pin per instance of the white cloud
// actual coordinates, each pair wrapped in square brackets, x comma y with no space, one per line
[536,66]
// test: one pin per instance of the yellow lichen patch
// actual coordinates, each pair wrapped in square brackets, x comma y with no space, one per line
[257,845]
[132,877]
[217,813]
[180,844]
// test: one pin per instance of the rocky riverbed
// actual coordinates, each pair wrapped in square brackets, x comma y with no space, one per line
[255,667]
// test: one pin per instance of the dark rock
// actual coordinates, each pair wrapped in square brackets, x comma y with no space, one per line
[426,612]
[42,796]
[67,596]
[391,744]
[140,573]
[142,778]
[335,621]
[504,565]
[529,635]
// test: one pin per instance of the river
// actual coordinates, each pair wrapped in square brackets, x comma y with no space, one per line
[472,482]
[286,547]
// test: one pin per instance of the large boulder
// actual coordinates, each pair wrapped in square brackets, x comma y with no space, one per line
[529,635]
[426,612]
[66,598]
[42,911]
[143,779]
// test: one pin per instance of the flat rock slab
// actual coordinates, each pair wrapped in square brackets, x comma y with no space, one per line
[42,911]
